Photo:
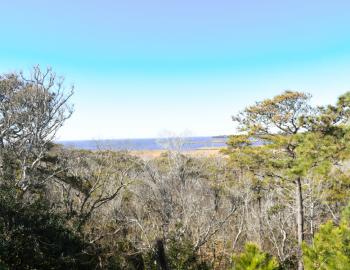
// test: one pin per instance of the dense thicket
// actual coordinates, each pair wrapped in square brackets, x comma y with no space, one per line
[272,200]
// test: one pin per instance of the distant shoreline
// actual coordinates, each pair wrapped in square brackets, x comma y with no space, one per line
[160,144]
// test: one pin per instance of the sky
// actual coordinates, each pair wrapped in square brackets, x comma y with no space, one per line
[141,68]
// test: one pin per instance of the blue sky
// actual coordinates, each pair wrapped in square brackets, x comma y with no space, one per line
[142,67]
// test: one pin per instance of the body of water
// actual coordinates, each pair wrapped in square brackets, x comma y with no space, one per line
[187,144]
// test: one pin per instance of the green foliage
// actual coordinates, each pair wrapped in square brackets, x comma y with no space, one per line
[180,255]
[254,259]
[331,247]
[31,237]
[298,138]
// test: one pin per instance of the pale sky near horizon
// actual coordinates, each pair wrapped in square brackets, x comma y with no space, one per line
[142,67]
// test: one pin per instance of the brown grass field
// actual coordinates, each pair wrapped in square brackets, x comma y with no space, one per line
[203,152]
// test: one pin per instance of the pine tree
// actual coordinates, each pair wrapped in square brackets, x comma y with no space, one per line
[295,141]
[330,249]
[254,259]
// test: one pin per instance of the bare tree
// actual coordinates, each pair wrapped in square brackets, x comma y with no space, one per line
[32,109]
[90,181]
[175,200]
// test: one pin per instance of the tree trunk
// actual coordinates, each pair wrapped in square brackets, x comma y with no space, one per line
[261,242]
[300,221]
[160,255]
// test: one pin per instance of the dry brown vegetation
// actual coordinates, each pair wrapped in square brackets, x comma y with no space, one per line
[202,152]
